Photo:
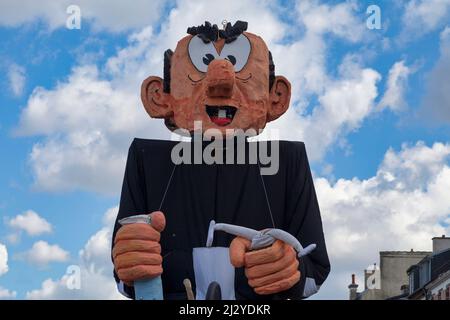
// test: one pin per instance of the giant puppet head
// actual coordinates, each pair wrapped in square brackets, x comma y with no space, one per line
[223,78]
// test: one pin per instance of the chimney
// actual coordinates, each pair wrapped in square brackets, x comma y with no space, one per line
[441,243]
[367,274]
[353,287]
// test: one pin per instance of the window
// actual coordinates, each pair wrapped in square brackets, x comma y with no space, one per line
[411,283]
[424,273]
[416,279]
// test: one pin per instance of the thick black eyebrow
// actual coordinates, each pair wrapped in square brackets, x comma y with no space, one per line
[210,32]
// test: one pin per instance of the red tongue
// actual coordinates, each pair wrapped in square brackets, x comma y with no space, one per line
[221,121]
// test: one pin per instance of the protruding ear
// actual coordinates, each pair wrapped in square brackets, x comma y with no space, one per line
[154,99]
[280,96]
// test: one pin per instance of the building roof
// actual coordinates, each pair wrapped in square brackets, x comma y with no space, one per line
[442,257]
[442,237]
[438,264]
[404,253]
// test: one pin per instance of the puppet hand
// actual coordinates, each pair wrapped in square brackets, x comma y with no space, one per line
[137,252]
[269,270]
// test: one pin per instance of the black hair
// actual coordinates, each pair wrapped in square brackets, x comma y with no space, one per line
[208,33]
[271,71]
[167,66]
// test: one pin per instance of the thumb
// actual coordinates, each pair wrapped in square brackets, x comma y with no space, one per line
[238,247]
[158,221]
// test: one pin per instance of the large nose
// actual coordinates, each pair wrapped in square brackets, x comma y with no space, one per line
[220,79]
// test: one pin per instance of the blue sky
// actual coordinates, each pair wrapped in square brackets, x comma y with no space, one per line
[340,60]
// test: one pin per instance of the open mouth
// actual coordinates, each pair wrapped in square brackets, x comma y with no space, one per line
[221,115]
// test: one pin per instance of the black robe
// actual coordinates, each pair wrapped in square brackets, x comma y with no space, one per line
[226,193]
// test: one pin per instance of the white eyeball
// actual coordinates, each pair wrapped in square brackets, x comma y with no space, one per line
[201,53]
[237,52]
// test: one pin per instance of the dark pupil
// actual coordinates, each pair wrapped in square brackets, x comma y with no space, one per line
[232,59]
[208,58]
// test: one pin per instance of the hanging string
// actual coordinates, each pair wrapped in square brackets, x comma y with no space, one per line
[265,194]
[167,187]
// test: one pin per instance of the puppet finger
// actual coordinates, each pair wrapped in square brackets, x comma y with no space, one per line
[238,248]
[158,220]
[139,272]
[262,270]
[131,259]
[136,245]
[282,274]
[137,231]
[279,286]
[266,255]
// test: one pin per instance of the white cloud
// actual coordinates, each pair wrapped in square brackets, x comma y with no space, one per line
[423,16]
[401,207]
[435,105]
[338,19]
[13,238]
[14,13]
[17,78]
[110,15]
[43,253]
[98,248]
[3,259]
[96,268]
[31,223]
[342,107]
[344,101]
[94,286]
[304,61]
[7,294]
[89,122]
[397,81]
